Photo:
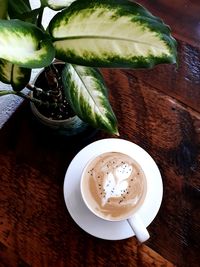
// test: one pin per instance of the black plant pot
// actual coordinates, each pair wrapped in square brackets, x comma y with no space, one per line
[72,127]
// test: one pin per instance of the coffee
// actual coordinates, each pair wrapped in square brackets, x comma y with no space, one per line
[113,186]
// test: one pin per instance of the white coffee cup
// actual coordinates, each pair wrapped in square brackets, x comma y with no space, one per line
[108,188]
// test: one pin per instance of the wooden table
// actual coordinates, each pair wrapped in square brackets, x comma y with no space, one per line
[157,109]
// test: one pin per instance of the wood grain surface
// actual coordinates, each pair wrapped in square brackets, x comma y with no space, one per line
[35,226]
[159,110]
[169,131]
[181,15]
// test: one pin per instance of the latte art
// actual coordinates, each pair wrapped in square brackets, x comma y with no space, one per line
[114,185]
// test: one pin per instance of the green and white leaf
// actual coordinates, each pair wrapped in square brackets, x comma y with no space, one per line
[56,4]
[12,74]
[24,44]
[111,33]
[87,94]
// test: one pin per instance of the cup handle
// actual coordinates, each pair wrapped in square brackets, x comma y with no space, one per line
[138,228]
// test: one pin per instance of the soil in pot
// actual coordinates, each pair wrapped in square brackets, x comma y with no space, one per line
[53,93]
[60,118]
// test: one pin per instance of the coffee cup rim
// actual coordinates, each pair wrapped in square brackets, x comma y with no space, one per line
[136,209]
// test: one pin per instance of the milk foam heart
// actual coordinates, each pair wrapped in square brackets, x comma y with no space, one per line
[114,185]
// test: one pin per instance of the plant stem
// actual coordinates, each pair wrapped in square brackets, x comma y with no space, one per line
[32,99]
[33,88]
[5,92]
[27,97]
[39,20]
[30,87]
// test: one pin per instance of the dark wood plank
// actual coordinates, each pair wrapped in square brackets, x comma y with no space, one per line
[35,227]
[181,15]
[34,221]
[170,132]
[181,82]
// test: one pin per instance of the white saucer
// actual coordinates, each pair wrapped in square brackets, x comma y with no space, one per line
[81,214]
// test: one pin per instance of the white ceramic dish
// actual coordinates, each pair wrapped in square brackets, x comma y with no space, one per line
[81,214]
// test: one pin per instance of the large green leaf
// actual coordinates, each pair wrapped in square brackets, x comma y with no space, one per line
[87,94]
[56,4]
[3,9]
[12,74]
[111,33]
[25,44]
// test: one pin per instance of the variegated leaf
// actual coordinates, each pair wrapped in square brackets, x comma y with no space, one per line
[111,33]
[56,4]
[12,74]
[24,44]
[87,94]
